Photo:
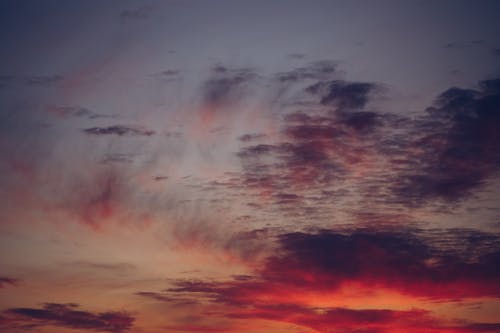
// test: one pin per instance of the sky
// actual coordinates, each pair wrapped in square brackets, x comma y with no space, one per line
[249,166]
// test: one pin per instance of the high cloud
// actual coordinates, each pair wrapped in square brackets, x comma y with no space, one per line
[344,146]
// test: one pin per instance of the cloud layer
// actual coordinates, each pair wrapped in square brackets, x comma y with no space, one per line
[65,315]
[308,272]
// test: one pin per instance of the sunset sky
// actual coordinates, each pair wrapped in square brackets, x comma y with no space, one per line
[234,166]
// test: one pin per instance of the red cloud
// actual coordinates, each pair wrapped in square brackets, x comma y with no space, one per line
[308,265]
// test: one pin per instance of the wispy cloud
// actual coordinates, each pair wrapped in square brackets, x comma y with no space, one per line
[139,13]
[67,316]
[7,281]
[43,80]
[118,130]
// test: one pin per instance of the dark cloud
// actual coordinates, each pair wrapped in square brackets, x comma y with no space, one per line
[7,81]
[318,147]
[441,157]
[286,198]
[168,75]
[400,261]
[225,88]
[343,94]
[257,150]
[351,321]
[465,44]
[75,111]
[320,70]
[297,56]
[119,130]
[435,265]
[170,72]
[43,80]
[117,158]
[337,319]
[457,147]
[154,295]
[251,137]
[173,134]
[139,13]
[7,281]
[164,297]
[318,150]
[360,121]
[68,316]
[226,85]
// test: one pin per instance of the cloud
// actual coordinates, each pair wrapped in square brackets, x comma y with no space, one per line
[7,81]
[75,111]
[406,262]
[360,121]
[343,94]
[116,267]
[169,73]
[117,158]
[251,137]
[118,130]
[68,316]
[458,149]
[100,200]
[165,298]
[307,270]
[296,56]
[43,80]
[360,320]
[337,319]
[7,281]
[154,295]
[317,150]
[338,146]
[319,70]
[465,44]
[222,91]
[139,13]
[226,85]
[391,260]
